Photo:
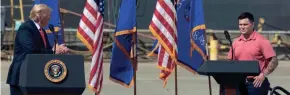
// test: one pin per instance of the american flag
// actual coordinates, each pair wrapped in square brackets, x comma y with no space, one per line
[165,63]
[163,27]
[90,32]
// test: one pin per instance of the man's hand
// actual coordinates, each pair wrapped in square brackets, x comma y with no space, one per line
[259,80]
[61,49]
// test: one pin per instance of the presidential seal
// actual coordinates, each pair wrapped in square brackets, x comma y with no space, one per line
[55,71]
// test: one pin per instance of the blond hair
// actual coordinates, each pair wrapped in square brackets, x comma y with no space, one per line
[39,10]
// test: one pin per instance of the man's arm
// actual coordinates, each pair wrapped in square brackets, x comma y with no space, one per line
[272,66]
[269,69]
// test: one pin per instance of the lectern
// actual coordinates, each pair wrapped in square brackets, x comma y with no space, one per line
[230,74]
[49,74]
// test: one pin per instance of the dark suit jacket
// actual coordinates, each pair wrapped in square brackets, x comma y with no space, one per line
[27,41]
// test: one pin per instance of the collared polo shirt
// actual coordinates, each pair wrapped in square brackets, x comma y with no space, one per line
[256,47]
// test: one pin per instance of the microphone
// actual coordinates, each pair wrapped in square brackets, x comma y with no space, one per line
[51,28]
[228,37]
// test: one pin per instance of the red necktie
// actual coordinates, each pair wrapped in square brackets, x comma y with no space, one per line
[43,38]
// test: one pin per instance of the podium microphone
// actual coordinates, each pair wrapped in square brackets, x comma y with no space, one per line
[51,28]
[228,37]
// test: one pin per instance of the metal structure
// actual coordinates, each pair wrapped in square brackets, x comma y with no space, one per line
[273,91]
[218,46]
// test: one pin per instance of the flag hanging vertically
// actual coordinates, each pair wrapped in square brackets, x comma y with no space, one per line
[163,27]
[54,20]
[90,32]
[165,63]
[191,32]
[121,69]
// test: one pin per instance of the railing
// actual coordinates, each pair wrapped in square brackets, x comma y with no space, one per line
[208,31]
[274,92]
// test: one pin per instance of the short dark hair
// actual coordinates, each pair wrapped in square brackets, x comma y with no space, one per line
[247,15]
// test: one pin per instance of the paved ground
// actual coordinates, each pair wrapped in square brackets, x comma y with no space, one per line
[149,84]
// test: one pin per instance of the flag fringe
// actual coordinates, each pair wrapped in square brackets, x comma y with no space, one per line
[152,52]
[84,41]
[94,89]
[122,83]
[162,43]
[124,32]
[194,72]
[195,47]
[161,76]
[164,68]
[199,27]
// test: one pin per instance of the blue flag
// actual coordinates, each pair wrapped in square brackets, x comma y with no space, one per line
[121,70]
[191,34]
[54,20]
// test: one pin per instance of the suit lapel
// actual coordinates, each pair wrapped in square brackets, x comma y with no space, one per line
[37,36]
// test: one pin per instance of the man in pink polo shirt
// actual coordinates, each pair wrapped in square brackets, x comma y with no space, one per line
[251,45]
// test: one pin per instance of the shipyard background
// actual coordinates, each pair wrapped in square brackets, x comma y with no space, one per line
[272,19]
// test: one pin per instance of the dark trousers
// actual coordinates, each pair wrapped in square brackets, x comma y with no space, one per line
[15,90]
[263,90]
[240,90]
[248,88]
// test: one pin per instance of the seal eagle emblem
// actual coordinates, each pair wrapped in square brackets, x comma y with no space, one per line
[55,71]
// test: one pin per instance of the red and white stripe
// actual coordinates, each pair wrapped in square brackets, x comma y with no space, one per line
[91,30]
[163,27]
[165,62]
[164,59]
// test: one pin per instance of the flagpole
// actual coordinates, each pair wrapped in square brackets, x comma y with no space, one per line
[61,15]
[175,75]
[209,85]
[175,70]
[207,53]
[134,45]
[135,62]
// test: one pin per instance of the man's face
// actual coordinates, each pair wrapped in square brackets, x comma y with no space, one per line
[246,26]
[45,19]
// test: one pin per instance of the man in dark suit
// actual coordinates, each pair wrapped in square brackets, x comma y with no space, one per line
[31,39]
